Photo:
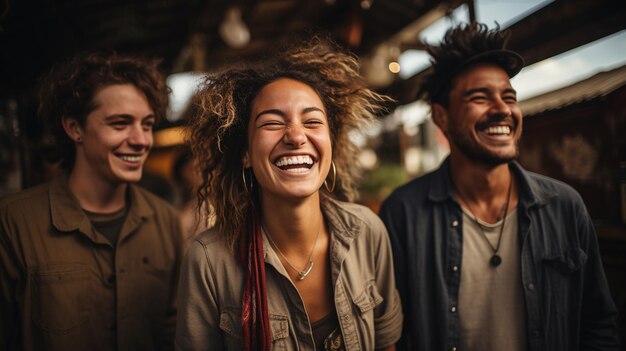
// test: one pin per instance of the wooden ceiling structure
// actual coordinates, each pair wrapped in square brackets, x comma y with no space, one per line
[34,34]
[184,33]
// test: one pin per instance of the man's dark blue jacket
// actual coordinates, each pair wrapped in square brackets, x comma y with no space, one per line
[568,304]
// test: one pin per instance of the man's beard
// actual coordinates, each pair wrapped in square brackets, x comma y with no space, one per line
[477,152]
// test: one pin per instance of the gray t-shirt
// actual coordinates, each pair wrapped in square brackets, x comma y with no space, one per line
[491,302]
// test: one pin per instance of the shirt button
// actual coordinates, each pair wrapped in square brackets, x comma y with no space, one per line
[453,348]
[531,286]
[453,309]
[111,279]
[455,268]
[455,223]
[536,333]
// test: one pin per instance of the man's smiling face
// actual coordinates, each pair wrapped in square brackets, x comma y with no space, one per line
[483,120]
[117,135]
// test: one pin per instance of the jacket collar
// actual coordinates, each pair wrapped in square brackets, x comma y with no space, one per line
[343,225]
[68,216]
[66,213]
[531,193]
[442,188]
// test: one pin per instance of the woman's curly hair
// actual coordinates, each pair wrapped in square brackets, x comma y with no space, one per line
[69,88]
[220,111]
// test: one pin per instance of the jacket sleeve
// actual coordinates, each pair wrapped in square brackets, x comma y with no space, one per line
[391,216]
[598,330]
[175,232]
[388,314]
[9,277]
[197,325]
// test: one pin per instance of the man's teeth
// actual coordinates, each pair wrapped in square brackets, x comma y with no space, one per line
[295,160]
[130,158]
[499,130]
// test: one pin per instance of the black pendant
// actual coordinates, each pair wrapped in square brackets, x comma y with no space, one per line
[495,260]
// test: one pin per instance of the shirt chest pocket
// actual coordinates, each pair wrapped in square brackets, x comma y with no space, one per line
[365,299]
[561,275]
[230,324]
[59,297]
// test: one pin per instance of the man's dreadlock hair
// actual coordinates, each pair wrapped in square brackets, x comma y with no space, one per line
[461,46]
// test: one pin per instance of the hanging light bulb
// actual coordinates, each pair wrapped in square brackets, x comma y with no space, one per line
[366,4]
[233,30]
[394,67]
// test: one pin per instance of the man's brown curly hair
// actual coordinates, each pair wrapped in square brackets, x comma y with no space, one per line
[221,110]
[69,88]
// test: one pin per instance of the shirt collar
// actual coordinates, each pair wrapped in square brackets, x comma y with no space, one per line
[531,193]
[442,189]
[66,213]
[68,216]
[343,226]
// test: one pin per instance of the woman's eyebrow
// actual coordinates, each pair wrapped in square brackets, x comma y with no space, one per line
[313,109]
[272,111]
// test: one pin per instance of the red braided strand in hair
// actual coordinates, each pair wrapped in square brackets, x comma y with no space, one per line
[254,310]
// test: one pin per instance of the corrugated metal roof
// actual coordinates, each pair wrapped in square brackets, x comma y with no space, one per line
[595,86]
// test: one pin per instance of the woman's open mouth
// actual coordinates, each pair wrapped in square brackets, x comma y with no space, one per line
[295,164]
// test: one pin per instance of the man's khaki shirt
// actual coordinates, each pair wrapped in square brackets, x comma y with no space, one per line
[65,287]
[366,301]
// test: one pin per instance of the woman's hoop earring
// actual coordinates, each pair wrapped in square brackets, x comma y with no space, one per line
[245,182]
[332,186]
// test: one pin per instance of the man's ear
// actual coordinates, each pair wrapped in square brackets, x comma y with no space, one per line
[440,117]
[72,129]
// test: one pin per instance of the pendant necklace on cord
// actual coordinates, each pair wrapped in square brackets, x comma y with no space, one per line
[495,259]
[309,266]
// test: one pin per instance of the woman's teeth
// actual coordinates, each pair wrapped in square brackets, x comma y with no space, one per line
[295,160]
[297,170]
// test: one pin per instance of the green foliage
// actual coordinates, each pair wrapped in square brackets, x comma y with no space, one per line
[380,182]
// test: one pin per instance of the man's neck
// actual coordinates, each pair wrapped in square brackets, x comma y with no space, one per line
[483,189]
[96,195]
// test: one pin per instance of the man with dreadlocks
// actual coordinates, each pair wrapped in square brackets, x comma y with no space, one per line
[489,256]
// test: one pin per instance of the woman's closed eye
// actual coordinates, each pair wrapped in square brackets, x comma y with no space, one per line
[314,123]
[272,124]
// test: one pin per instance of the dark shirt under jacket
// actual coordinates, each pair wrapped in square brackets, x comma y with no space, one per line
[568,304]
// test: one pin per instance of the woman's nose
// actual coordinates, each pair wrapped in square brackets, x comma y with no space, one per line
[294,135]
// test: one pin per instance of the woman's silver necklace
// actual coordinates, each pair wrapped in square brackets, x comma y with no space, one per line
[309,266]
[495,259]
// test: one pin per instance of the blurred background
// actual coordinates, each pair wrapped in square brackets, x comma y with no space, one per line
[572,91]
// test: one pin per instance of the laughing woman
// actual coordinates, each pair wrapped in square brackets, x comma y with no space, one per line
[288,265]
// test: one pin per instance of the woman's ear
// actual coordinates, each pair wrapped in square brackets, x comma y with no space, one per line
[246,160]
[440,117]
[72,129]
